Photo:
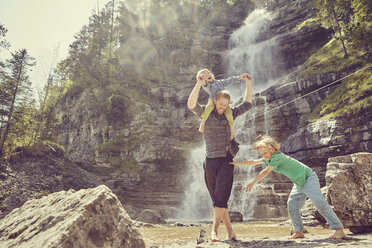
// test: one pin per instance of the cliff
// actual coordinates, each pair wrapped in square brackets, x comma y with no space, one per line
[145,160]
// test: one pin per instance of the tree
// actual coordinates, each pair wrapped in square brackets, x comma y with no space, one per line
[336,14]
[44,118]
[362,25]
[3,42]
[16,90]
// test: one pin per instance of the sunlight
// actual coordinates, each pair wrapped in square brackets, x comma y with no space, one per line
[137,52]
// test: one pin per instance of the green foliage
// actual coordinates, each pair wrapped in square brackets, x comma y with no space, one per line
[351,98]
[120,150]
[3,42]
[121,144]
[41,149]
[330,58]
[117,109]
[362,25]
[14,105]
[306,23]
[336,14]
[125,165]
[21,128]
[350,20]
[72,89]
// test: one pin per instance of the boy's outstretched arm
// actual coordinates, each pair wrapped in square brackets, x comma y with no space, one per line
[260,176]
[248,162]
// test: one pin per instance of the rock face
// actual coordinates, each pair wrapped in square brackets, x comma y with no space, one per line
[309,142]
[295,44]
[28,175]
[349,179]
[165,131]
[160,136]
[86,218]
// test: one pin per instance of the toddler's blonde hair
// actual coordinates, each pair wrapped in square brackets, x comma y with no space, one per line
[203,71]
[268,142]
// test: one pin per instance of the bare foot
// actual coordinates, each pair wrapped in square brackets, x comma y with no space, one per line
[339,234]
[297,235]
[232,237]
[214,237]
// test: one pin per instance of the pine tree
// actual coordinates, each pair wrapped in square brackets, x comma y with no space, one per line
[15,88]
[3,42]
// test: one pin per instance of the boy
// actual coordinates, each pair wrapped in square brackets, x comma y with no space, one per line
[306,184]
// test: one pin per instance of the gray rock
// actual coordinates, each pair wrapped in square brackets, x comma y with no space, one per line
[85,218]
[151,216]
[349,179]
[235,216]
[202,237]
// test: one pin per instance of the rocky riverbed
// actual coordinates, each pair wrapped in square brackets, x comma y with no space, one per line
[250,234]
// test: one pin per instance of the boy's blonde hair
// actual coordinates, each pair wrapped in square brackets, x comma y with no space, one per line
[268,142]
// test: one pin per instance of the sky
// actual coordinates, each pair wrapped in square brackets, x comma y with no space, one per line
[44,27]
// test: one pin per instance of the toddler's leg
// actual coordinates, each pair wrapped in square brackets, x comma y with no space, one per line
[204,116]
[230,118]
[201,127]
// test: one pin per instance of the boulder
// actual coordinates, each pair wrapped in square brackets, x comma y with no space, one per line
[151,216]
[86,218]
[235,216]
[349,180]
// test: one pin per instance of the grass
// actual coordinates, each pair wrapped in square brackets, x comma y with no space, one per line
[351,98]
[330,58]
[307,23]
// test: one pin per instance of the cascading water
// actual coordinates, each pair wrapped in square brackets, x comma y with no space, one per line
[247,53]
[197,203]
[250,53]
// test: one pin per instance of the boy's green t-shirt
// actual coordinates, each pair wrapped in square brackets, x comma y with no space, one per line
[292,168]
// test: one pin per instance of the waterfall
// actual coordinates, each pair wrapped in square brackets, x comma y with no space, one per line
[197,204]
[247,53]
[250,53]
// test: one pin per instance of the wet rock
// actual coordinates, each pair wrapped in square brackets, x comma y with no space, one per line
[85,218]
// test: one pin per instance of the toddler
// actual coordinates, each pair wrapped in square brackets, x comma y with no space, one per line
[212,86]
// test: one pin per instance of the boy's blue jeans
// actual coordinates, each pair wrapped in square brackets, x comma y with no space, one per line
[297,199]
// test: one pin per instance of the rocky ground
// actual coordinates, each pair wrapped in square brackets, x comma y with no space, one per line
[352,240]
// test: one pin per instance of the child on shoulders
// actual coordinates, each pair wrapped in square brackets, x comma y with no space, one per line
[212,86]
